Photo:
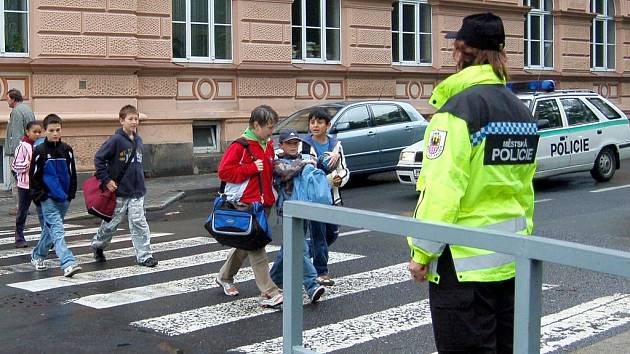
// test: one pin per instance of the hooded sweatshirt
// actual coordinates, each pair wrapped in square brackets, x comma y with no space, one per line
[112,157]
[22,162]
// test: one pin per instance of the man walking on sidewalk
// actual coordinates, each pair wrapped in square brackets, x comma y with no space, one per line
[21,115]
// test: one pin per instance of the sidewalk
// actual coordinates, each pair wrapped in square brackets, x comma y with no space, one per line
[160,193]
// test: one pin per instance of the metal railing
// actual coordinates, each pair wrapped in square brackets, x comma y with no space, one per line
[530,252]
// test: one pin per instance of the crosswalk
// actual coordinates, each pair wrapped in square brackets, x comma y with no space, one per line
[189,264]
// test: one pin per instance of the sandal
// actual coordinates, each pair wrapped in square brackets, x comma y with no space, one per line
[229,289]
[324,280]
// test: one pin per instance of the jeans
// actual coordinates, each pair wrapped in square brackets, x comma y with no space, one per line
[322,236]
[53,233]
[310,285]
[24,202]
[138,227]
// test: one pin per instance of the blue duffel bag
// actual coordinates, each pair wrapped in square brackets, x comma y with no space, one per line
[239,225]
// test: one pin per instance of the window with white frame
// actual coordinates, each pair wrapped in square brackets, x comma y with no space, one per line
[14,23]
[202,30]
[603,35]
[316,30]
[411,32]
[538,34]
[205,137]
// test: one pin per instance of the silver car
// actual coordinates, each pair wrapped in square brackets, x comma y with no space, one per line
[372,132]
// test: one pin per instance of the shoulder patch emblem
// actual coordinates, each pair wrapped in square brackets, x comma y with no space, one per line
[437,140]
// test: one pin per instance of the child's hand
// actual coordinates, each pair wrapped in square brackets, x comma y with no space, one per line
[259,165]
[334,157]
[336,181]
[111,185]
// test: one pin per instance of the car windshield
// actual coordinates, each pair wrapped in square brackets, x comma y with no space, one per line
[299,120]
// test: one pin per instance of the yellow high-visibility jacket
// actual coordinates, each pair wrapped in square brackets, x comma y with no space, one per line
[477,171]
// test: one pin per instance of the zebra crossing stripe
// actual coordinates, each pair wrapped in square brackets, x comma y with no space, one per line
[362,329]
[113,254]
[16,252]
[216,315]
[582,321]
[36,229]
[125,272]
[35,237]
[350,332]
[178,287]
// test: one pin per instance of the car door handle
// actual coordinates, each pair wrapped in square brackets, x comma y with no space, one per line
[371,133]
[562,138]
[408,128]
[599,131]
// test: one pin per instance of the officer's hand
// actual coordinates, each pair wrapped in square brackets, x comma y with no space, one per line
[418,271]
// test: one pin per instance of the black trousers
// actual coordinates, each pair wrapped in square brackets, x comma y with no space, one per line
[471,317]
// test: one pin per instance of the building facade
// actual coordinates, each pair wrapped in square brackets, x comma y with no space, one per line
[196,68]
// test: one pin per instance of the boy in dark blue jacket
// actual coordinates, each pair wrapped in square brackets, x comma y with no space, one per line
[53,184]
[109,161]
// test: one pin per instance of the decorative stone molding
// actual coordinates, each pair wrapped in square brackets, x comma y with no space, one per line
[370,88]
[607,89]
[60,21]
[84,156]
[149,26]
[73,45]
[412,89]
[122,46]
[80,4]
[154,48]
[21,83]
[157,86]
[166,28]
[109,23]
[266,52]
[97,85]
[371,18]
[122,5]
[265,11]
[371,55]
[319,89]
[267,32]
[205,89]
[160,7]
[266,87]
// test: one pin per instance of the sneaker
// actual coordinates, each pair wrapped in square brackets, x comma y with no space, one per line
[71,270]
[229,289]
[39,264]
[21,244]
[149,262]
[324,280]
[99,256]
[317,294]
[270,302]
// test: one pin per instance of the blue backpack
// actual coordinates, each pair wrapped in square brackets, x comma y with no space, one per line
[312,186]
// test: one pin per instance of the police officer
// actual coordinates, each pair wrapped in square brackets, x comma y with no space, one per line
[479,152]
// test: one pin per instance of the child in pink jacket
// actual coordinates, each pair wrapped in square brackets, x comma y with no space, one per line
[21,166]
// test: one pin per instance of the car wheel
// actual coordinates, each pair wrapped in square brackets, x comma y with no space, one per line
[605,165]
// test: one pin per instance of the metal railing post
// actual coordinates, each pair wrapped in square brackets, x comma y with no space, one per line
[292,315]
[527,306]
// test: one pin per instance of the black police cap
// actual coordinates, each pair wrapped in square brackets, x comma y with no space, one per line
[482,31]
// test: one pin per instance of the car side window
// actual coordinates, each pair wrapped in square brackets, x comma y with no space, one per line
[604,107]
[385,114]
[548,109]
[353,118]
[577,112]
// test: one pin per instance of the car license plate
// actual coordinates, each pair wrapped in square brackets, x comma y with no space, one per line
[416,173]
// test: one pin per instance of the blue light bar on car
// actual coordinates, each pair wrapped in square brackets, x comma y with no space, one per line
[532,86]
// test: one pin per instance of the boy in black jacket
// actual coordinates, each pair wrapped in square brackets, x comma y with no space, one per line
[53,184]
[109,161]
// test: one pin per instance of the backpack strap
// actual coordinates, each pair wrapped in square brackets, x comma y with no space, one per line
[245,144]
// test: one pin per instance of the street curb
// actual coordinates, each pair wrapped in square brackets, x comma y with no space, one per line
[165,203]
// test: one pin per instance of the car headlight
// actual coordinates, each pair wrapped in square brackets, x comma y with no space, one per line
[408,156]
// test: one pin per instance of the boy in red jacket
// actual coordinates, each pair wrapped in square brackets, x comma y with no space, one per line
[239,170]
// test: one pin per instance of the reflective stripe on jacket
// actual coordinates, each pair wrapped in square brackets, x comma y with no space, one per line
[478,166]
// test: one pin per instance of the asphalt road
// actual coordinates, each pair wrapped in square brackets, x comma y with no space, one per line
[175,308]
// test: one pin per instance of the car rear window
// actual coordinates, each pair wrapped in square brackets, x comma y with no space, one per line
[603,107]
[299,120]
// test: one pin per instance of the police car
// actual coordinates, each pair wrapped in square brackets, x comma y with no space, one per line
[579,131]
